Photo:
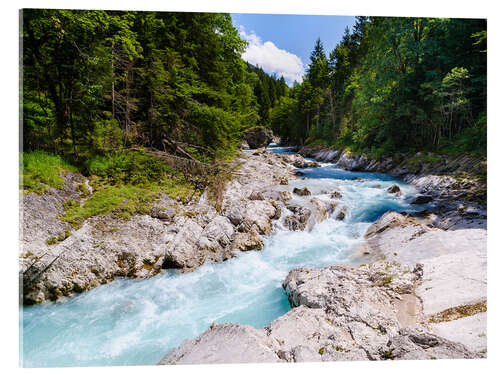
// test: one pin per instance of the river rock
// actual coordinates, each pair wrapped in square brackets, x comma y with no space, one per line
[352,162]
[301,192]
[299,218]
[394,189]
[318,213]
[313,164]
[247,241]
[258,137]
[183,250]
[422,199]
[174,235]
[219,230]
[102,249]
[342,213]
[235,211]
[414,343]
[258,214]
[453,289]
[336,195]
[391,219]
[328,155]
[331,207]
[256,196]
[225,343]
[163,213]
[276,195]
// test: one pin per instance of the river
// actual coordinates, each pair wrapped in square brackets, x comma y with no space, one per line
[136,322]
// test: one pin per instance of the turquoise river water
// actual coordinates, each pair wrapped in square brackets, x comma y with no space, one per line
[136,322]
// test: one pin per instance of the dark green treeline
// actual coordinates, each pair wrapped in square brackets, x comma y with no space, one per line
[100,80]
[393,84]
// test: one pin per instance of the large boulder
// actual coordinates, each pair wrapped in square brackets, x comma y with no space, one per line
[258,137]
[182,250]
[225,343]
[247,241]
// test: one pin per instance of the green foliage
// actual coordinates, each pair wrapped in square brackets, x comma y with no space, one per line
[61,237]
[41,170]
[125,183]
[133,167]
[107,135]
[394,84]
[126,200]
[97,81]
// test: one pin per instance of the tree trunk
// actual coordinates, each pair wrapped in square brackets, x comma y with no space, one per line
[113,80]
[72,127]
[332,107]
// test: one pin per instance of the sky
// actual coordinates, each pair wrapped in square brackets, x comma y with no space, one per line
[282,43]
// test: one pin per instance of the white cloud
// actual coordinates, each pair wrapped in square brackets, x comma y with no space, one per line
[272,59]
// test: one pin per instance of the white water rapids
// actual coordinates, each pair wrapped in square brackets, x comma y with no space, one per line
[136,322]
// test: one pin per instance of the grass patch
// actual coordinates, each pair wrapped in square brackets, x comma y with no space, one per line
[40,171]
[458,312]
[423,158]
[124,183]
[125,200]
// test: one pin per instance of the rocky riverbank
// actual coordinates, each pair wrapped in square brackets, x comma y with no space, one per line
[173,236]
[455,184]
[427,302]
[421,293]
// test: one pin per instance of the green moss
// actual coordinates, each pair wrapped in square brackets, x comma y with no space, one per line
[423,158]
[388,355]
[458,312]
[61,237]
[41,170]
[386,280]
[84,191]
[124,200]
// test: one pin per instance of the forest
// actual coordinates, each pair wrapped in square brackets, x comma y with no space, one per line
[95,81]
[98,84]
[393,84]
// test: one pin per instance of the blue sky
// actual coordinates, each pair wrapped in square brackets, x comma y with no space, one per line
[282,43]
